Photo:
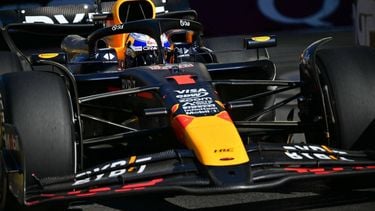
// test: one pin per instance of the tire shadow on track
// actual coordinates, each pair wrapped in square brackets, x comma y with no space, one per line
[327,201]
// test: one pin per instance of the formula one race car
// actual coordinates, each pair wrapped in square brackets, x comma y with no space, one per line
[137,105]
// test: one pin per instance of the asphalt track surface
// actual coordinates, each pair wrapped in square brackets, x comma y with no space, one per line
[285,56]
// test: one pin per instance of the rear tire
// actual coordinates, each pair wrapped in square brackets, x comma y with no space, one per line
[38,105]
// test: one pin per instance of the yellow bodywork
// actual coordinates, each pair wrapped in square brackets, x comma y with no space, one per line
[48,55]
[215,140]
[261,38]
[118,42]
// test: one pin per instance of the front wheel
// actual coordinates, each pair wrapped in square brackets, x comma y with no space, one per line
[345,104]
[38,106]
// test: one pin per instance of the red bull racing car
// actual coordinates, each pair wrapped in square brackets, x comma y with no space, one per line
[135,104]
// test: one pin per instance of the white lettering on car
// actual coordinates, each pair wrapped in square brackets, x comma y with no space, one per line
[196,101]
[119,167]
[60,18]
[312,152]
[184,23]
[117,27]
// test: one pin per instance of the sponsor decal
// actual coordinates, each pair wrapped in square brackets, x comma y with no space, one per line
[184,23]
[114,169]
[313,152]
[117,27]
[182,51]
[161,6]
[109,56]
[59,18]
[106,56]
[171,66]
[160,9]
[196,101]
[149,48]
[223,150]
[128,83]
[136,48]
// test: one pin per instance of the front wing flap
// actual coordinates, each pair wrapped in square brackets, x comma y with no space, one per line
[273,167]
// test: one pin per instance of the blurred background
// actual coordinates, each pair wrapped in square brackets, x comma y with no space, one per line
[259,16]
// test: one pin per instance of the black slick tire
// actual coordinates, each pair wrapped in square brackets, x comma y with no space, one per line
[349,75]
[38,106]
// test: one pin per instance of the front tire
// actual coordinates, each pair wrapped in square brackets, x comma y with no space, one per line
[347,84]
[38,106]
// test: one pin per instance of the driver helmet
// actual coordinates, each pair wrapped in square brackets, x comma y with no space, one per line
[124,11]
[142,50]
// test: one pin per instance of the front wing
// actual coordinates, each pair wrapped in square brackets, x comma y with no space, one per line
[273,167]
